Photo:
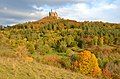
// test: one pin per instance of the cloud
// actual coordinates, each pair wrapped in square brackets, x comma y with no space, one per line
[27,10]
[14,12]
[37,8]
[56,3]
[11,16]
[81,11]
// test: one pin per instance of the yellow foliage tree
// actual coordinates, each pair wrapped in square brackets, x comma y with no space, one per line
[87,64]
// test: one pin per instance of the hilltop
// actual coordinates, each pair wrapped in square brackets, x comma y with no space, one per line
[87,48]
[54,19]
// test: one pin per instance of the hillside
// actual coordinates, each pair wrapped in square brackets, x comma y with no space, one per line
[87,48]
[11,68]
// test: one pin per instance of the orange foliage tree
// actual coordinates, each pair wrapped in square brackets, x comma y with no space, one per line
[87,64]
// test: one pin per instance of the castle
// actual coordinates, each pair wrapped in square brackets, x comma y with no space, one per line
[53,14]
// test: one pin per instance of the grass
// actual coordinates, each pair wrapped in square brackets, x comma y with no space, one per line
[16,68]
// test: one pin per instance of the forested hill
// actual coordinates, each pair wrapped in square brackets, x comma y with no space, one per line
[109,31]
[90,48]
[64,23]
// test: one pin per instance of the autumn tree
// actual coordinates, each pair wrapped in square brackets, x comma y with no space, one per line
[101,41]
[95,40]
[86,63]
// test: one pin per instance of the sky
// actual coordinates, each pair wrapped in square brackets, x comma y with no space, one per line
[19,11]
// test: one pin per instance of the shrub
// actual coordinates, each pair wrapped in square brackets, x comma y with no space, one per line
[65,62]
[95,40]
[51,60]
[101,41]
[74,57]
[69,52]
[81,43]
[31,47]
[112,69]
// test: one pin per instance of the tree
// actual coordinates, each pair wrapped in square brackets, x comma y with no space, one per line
[63,46]
[81,44]
[31,47]
[86,63]
[101,41]
[69,40]
[95,40]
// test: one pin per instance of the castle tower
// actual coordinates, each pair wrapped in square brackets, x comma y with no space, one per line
[53,14]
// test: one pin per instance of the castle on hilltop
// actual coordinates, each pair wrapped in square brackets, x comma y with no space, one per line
[53,14]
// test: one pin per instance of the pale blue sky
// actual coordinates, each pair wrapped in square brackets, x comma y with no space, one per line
[17,11]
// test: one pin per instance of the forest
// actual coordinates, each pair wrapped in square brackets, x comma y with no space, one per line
[89,48]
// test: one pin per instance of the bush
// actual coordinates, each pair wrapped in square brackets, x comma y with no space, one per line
[31,47]
[51,60]
[112,69]
[81,44]
[69,52]
[65,62]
